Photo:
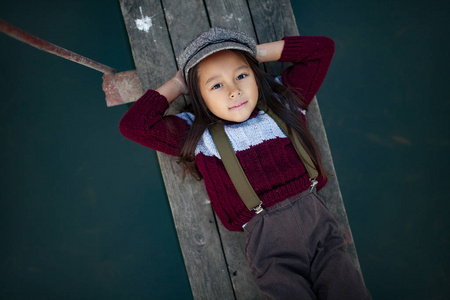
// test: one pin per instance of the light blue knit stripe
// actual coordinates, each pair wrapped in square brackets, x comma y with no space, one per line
[243,135]
[187,116]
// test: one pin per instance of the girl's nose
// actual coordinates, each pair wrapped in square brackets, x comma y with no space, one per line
[235,92]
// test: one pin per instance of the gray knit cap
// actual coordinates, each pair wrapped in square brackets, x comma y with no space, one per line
[211,41]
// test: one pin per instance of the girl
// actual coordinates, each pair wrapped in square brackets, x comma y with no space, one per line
[294,246]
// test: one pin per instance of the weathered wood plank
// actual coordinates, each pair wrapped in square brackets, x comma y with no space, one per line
[193,217]
[185,19]
[273,20]
[231,14]
[146,24]
[149,43]
[197,233]
[243,284]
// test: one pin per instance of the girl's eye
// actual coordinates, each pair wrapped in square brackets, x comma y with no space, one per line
[242,76]
[216,86]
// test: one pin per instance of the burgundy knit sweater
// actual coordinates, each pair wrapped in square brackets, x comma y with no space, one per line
[267,156]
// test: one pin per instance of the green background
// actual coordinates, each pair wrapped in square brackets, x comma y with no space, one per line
[84,213]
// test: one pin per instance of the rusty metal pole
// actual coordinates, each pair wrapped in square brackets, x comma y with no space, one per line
[36,42]
[119,88]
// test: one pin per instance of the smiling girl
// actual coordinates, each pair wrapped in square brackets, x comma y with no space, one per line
[293,244]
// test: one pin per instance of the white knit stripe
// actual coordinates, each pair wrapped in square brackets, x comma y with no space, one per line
[243,135]
[187,116]
[206,146]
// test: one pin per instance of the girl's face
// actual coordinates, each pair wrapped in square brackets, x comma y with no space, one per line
[228,86]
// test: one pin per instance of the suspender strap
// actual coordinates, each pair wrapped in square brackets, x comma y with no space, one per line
[234,168]
[306,159]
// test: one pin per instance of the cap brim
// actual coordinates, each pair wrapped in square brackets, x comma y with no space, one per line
[211,49]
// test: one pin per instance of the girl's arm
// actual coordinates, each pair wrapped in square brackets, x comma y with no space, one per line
[146,124]
[311,56]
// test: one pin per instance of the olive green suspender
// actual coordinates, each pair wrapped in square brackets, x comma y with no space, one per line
[235,171]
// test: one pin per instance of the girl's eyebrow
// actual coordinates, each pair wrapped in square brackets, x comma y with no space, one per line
[242,67]
[212,79]
[217,76]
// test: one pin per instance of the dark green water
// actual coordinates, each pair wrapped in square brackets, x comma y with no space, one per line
[83,211]
[386,109]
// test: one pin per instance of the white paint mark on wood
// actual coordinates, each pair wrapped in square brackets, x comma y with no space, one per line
[228,18]
[145,23]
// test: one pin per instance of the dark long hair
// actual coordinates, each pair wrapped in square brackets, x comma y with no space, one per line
[279,98]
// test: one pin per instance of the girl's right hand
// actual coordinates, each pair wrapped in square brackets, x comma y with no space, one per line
[173,88]
[181,83]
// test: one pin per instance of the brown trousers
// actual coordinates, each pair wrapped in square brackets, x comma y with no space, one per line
[296,251]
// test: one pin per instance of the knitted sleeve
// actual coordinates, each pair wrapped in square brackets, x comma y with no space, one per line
[311,57]
[146,124]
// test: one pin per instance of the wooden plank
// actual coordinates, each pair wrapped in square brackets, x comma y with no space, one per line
[153,68]
[243,284]
[197,232]
[231,14]
[185,19]
[273,20]
[191,209]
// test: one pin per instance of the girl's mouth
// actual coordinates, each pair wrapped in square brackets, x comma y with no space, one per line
[239,105]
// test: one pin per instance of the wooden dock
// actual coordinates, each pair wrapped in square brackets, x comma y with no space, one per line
[158,30]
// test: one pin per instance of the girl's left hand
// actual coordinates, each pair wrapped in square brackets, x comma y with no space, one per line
[269,51]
